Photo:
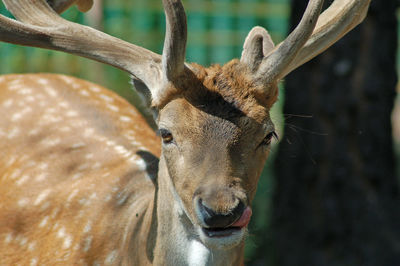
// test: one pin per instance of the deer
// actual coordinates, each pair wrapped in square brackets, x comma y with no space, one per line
[86,181]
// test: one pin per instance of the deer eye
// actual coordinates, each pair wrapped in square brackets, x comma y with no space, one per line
[166,136]
[268,138]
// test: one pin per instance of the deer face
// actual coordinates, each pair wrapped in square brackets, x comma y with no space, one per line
[216,133]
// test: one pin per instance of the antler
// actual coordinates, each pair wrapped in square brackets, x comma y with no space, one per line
[61,5]
[175,39]
[340,18]
[40,26]
[307,41]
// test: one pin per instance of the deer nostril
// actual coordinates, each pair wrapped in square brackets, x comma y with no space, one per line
[213,219]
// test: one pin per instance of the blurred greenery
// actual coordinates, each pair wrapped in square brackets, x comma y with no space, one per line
[217,29]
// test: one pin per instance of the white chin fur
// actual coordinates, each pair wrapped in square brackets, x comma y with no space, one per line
[226,242]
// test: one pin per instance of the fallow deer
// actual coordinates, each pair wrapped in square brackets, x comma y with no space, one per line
[84,180]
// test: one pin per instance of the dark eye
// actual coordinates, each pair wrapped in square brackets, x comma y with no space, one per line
[267,140]
[166,136]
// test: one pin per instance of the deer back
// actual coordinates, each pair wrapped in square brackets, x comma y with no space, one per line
[77,165]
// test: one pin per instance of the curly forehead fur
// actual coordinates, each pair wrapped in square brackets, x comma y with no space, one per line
[224,90]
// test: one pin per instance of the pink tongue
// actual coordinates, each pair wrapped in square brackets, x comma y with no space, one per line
[244,219]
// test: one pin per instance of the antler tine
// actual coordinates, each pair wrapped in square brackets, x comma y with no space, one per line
[341,17]
[175,39]
[274,64]
[61,5]
[41,26]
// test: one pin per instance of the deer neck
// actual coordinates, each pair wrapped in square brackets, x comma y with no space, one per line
[177,242]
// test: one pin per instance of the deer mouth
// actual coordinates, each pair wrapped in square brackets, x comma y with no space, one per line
[235,227]
[221,232]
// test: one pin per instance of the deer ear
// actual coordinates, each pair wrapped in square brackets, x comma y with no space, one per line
[257,45]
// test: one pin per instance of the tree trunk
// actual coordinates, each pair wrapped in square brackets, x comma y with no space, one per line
[337,199]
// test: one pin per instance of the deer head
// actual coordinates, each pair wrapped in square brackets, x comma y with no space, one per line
[214,122]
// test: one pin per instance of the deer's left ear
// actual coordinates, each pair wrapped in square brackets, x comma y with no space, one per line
[257,45]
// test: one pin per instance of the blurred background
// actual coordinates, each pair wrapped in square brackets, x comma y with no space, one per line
[329,194]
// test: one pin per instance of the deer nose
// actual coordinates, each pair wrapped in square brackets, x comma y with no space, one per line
[214,219]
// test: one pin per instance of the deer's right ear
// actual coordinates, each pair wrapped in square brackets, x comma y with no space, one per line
[257,45]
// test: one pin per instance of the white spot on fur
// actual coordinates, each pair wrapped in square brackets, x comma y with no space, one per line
[50,142]
[108,197]
[31,163]
[30,98]
[65,129]
[89,156]
[66,79]
[84,92]
[78,145]
[11,160]
[64,104]
[41,197]
[33,132]
[94,89]
[45,206]
[61,232]
[9,237]
[22,240]
[17,116]
[67,238]
[87,227]
[110,143]
[112,107]
[72,195]
[96,165]
[25,91]
[83,166]
[23,202]
[8,103]
[120,149]
[34,262]
[54,213]
[13,87]
[67,242]
[22,180]
[198,254]
[125,118]
[77,176]
[87,243]
[13,133]
[106,98]
[88,132]
[43,166]
[50,91]
[50,110]
[111,257]
[71,113]
[31,246]
[83,201]
[40,177]
[42,81]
